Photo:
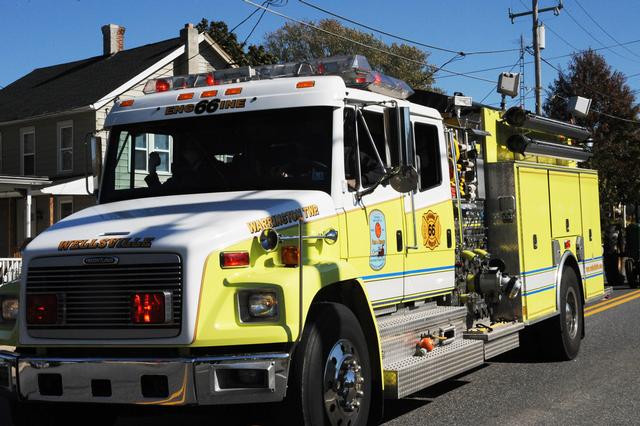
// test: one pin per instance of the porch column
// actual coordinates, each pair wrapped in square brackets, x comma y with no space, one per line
[27,214]
[51,203]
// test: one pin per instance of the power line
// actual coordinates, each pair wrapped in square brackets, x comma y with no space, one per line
[257,22]
[628,120]
[605,31]
[590,34]
[387,52]
[418,43]
[560,37]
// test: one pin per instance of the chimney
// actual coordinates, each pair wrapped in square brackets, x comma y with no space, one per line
[188,62]
[112,39]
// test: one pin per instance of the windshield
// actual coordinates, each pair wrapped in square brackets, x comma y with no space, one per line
[274,149]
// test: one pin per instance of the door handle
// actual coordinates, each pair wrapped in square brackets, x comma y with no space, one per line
[399,241]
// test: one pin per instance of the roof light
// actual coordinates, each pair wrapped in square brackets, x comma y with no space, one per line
[209,94]
[354,70]
[233,91]
[185,96]
[162,85]
[305,84]
[234,259]
[126,103]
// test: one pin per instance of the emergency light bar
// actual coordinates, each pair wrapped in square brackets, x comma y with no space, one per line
[354,70]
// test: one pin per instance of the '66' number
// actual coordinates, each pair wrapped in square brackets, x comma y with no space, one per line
[208,106]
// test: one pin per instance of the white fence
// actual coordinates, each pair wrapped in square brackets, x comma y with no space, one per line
[10,269]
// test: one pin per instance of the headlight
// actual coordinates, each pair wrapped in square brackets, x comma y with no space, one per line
[9,308]
[263,305]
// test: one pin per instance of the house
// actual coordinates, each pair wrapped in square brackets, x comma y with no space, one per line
[47,116]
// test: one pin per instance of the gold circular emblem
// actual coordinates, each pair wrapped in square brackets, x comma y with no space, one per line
[431,230]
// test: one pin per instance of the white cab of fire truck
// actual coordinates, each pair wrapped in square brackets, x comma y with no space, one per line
[182,285]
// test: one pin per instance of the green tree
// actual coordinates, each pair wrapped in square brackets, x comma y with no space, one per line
[297,42]
[219,32]
[616,148]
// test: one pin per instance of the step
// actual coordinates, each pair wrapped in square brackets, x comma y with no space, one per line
[414,319]
[409,375]
[401,331]
[502,338]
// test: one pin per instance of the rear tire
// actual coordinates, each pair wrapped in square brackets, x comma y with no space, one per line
[331,380]
[568,327]
[631,270]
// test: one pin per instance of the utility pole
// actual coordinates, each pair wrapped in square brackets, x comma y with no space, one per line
[536,45]
[522,91]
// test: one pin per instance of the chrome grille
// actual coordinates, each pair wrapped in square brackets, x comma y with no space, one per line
[95,299]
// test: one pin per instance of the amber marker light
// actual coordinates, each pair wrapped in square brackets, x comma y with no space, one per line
[233,91]
[185,96]
[289,255]
[126,103]
[305,84]
[209,94]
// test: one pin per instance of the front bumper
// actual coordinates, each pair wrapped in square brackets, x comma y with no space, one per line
[175,381]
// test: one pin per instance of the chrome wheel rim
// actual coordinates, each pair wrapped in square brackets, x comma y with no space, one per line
[343,384]
[571,313]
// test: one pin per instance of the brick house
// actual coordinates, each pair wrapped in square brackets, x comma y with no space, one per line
[47,116]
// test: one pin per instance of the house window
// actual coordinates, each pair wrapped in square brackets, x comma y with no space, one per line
[148,143]
[65,146]
[28,151]
[65,207]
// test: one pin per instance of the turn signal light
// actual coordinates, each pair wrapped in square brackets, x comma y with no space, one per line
[290,255]
[126,103]
[148,308]
[234,259]
[42,309]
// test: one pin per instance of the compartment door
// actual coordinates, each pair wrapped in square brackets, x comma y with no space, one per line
[535,243]
[566,218]
[592,272]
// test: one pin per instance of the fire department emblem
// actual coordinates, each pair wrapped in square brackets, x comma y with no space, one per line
[431,230]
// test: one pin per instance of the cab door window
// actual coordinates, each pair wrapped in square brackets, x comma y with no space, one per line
[427,156]
[369,170]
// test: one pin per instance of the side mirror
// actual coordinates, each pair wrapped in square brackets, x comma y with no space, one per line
[96,162]
[93,154]
[404,177]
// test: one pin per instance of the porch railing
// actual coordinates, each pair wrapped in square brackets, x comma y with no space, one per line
[10,269]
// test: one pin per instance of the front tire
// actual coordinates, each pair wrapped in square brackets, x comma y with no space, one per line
[331,380]
[569,325]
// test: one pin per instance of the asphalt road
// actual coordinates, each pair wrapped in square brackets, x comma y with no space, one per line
[601,386]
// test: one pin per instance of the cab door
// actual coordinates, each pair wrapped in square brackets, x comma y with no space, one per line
[429,224]
[374,221]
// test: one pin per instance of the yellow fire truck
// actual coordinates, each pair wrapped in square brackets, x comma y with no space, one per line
[310,232]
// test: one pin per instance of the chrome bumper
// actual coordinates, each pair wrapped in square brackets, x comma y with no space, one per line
[174,381]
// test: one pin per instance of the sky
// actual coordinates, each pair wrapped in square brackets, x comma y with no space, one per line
[39,33]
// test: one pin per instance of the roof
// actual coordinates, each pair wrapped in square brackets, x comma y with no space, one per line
[77,84]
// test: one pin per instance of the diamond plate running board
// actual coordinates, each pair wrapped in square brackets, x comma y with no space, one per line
[411,374]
